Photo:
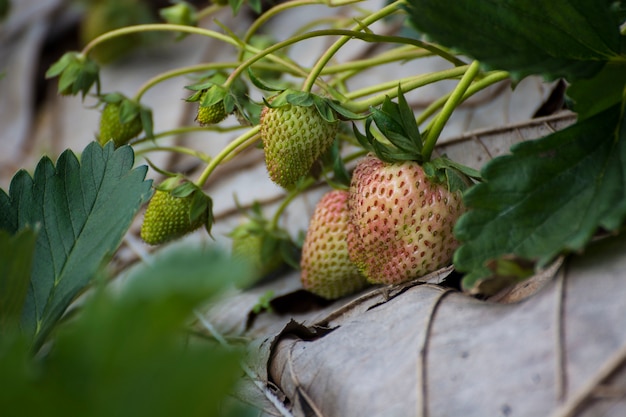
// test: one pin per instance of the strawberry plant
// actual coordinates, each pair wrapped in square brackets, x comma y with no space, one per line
[399,210]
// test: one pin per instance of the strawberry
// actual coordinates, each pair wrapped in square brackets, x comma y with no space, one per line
[401,221]
[326,267]
[294,137]
[211,114]
[175,210]
[117,123]
[248,245]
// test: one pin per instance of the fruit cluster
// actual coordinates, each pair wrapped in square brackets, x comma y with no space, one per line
[394,224]
[389,221]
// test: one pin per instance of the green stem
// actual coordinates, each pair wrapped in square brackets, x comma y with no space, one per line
[161,27]
[271,13]
[207,11]
[390,89]
[453,101]
[367,37]
[402,53]
[334,48]
[288,199]
[178,72]
[186,129]
[176,149]
[247,137]
[479,85]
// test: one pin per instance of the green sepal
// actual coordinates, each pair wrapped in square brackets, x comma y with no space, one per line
[77,74]
[181,13]
[263,85]
[455,176]
[396,122]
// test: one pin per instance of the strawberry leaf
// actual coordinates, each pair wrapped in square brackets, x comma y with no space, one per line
[82,210]
[596,94]
[16,260]
[557,38]
[549,196]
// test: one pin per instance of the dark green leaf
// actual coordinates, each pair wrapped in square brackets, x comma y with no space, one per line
[597,94]
[557,38]
[82,211]
[548,197]
[16,260]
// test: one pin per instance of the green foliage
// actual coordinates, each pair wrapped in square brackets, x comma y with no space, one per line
[81,211]
[557,38]
[550,195]
[77,74]
[597,94]
[16,260]
[126,353]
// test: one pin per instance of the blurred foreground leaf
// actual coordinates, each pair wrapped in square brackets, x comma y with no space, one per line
[16,259]
[126,353]
[81,211]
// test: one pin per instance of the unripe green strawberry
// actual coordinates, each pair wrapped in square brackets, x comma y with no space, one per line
[112,128]
[326,267]
[248,246]
[400,221]
[169,217]
[294,137]
[212,114]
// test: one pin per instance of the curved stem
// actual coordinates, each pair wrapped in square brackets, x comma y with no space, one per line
[271,13]
[390,89]
[479,85]
[247,137]
[448,108]
[207,11]
[288,199]
[161,27]
[175,149]
[348,69]
[334,48]
[367,37]
[178,72]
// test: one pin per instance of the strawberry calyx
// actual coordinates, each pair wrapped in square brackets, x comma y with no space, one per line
[77,74]
[123,119]
[201,206]
[331,110]
[213,90]
[177,207]
[397,138]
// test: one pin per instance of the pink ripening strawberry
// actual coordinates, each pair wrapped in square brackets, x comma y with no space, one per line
[326,267]
[401,221]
